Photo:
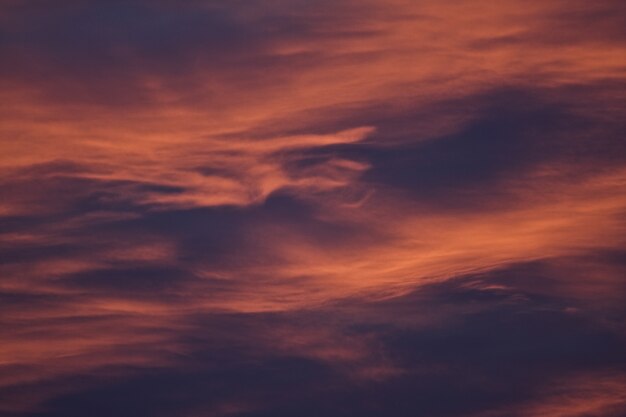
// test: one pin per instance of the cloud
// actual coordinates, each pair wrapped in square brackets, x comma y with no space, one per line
[311,208]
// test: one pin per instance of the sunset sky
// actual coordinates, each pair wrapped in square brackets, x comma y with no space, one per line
[312,208]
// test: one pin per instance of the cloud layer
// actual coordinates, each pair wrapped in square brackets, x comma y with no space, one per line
[279,208]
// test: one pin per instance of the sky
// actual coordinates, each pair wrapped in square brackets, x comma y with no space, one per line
[277,208]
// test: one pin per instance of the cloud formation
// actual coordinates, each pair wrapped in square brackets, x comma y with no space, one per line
[255,208]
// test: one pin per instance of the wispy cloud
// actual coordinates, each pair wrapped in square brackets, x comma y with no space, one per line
[205,204]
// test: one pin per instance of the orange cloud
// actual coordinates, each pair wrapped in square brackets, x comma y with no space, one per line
[138,171]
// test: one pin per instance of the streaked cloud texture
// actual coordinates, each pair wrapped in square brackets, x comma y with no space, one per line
[312,208]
